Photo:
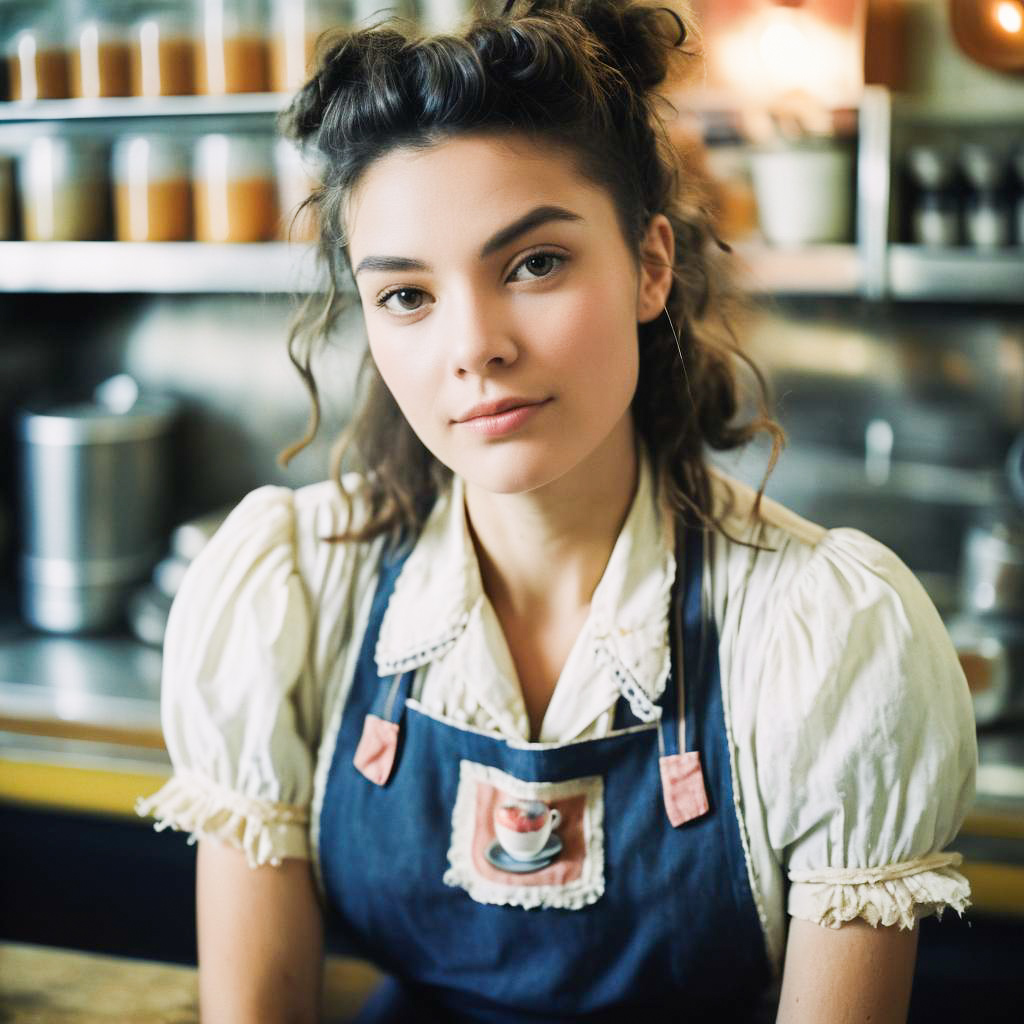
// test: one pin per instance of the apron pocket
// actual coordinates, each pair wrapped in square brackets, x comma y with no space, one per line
[527,844]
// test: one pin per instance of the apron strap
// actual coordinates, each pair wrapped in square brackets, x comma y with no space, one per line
[377,749]
[682,778]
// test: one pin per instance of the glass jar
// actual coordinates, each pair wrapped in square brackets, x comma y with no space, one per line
[987,219]
[231,55]
[6,198]
[62,184]
[163,51]
[152,189]
[234,189]
[296,25]
[99,50]
[35,54]
[936,220]
[296,179]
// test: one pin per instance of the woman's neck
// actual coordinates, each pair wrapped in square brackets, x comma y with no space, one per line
[543,553]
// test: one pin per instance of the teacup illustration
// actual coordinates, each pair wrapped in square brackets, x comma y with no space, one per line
[523,827]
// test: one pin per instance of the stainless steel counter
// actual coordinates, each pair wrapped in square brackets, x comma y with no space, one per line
[79,721]
[80,686]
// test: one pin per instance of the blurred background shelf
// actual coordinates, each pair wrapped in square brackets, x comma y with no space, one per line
[952,275]
[160,267]
[126,108]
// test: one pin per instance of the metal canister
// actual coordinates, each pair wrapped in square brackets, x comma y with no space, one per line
[94,496]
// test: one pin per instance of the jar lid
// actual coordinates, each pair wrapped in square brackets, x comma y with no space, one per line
[221,156]
[147,158]
[91,423]
[50,158]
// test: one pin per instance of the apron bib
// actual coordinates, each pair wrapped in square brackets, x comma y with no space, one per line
[506,882]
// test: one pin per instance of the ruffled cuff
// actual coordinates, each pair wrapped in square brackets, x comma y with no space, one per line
[892,894]
[265,831]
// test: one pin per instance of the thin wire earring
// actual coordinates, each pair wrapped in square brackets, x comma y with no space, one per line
[679,349]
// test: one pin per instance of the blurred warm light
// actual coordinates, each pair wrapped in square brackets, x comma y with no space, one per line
[777,50]
[1009,16]
[781,45]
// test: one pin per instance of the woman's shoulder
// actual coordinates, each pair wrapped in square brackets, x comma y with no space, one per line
[827,618]
[760,549]
[306,530]
[768,549]
[826,608]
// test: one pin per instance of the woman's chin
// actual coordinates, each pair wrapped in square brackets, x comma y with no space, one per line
[510,472]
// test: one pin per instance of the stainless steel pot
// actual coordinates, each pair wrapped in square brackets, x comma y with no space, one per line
[94,494]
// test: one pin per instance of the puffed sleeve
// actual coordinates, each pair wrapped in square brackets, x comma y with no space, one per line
[234,655]
[865,741]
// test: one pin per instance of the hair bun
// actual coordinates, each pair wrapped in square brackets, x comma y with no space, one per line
[638,37]
[345,59]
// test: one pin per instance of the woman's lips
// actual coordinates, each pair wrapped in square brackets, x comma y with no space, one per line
[504,422]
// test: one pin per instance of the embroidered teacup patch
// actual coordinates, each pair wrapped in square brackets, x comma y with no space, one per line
[527,844]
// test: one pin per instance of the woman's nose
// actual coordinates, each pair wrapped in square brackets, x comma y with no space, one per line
[483,338]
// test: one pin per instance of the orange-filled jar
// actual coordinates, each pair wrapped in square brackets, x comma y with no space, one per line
[36,55]
[231,51]
[235,194]
[296,26]
[163,52]
[152,189]
[99,49]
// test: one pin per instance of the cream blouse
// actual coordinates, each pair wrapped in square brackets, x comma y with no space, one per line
[849,719]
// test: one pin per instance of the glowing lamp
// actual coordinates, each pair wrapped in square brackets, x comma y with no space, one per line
[990,32]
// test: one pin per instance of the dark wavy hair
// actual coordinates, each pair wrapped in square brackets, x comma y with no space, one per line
[578,75]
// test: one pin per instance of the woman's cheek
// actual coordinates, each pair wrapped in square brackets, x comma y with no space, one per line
[410,382]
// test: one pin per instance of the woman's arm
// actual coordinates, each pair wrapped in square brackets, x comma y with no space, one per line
[842,975]
[260,939]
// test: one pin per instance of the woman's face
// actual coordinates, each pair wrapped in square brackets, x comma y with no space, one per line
[501,306]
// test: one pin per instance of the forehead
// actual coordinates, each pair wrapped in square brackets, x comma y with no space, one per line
[463,189]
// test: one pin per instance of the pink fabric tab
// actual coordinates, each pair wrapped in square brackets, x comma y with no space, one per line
[682,785]
[375,755]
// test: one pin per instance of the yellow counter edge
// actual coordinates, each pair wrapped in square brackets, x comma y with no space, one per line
[73,787]
[995,888]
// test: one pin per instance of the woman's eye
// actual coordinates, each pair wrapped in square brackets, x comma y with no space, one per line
[539,264]
[407,300]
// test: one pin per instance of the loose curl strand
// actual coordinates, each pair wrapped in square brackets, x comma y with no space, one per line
[581,77]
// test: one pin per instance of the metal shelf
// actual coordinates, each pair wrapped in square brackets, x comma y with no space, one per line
[115,109]
[955,275]
[166,267]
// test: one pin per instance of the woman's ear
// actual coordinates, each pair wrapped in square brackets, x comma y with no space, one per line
[657,252]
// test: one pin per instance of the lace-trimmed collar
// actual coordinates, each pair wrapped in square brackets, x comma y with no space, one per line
[440,586]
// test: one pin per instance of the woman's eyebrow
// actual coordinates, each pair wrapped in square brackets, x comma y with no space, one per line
[537,216]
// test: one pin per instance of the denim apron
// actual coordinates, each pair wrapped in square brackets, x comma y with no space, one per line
[637,905]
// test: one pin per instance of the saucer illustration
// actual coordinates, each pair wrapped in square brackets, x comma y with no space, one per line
[499,858]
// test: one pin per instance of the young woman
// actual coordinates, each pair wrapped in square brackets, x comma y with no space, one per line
[548,718]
